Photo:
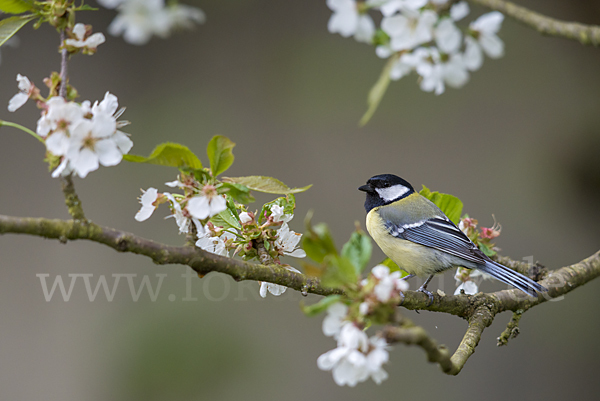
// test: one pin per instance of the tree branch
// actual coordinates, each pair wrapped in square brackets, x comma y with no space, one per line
[201,261]
[479,309]
[585,34]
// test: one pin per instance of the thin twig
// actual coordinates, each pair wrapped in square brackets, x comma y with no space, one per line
[64,55]
[71,199]
[512,329]
[585,34]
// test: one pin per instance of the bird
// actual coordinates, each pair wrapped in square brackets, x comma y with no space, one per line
[414,233]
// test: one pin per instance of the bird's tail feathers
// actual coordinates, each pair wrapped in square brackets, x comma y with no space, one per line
[511,277]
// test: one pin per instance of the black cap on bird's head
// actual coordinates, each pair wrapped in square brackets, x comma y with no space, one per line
[384,189]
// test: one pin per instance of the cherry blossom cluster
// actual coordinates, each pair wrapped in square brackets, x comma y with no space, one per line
[422,36]
[358,357]
[468,280]
[199,213]
[79,137]
[139,20]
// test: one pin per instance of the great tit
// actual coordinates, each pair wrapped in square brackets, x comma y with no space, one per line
[413,232]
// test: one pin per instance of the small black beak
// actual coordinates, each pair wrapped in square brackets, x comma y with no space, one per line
[366,188]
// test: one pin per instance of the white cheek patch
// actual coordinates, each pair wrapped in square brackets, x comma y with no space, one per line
[392,193]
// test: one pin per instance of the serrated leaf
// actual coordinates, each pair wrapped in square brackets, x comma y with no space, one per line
[264,184]
[317,242]
[239,192]
[378,90]
[16,6]
[321,306]
[339,273]
[449,204]
[169,154]
[226,219]
[220,154]
[393,266]
[10,26]
[358,250]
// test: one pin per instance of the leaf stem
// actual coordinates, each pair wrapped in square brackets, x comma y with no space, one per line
[22,128]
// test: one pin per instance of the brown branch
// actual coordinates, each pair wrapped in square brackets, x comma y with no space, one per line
[479,310]
[410,334]
[201,261]
[585,34]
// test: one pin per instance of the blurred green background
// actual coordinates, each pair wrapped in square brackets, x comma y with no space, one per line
[520,141]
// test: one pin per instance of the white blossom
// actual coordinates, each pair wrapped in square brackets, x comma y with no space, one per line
[139,20]
[274,289]
[391,7]
[25,90]
[56,122]
[469,280]
[473,56]
[205,205]
[245,218]
[347,21]
[377,356]
[485,28]
[356,358]
[147,200]
[279,216]
[92,42]
[363,308]
[436,73]
[287,242]
[469,287]
[389,284]
[333,322]
[214,244]
[447,36]
[409,29]
[175,184]
[459,10]
[181,220]
[92,143]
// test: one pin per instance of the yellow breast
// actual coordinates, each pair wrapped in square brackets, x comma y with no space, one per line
[409,256]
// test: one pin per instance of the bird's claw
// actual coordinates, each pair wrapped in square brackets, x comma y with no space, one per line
[424,290]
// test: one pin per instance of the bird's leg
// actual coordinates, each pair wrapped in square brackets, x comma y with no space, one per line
[401,294]
[424,290]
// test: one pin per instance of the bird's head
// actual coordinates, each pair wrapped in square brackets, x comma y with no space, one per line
[385,189]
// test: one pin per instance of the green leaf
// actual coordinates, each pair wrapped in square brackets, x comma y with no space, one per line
[317,242]
[378,90]
[321,306]
[358,250]
[220,154]
[239,192]
[393,266]
[10,26]
[268,185]
[486,249]
[16,6]
[449,204]
[226,219]
[169,154]
[339,273]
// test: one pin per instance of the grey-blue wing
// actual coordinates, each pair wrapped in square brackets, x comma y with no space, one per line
[440,234]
